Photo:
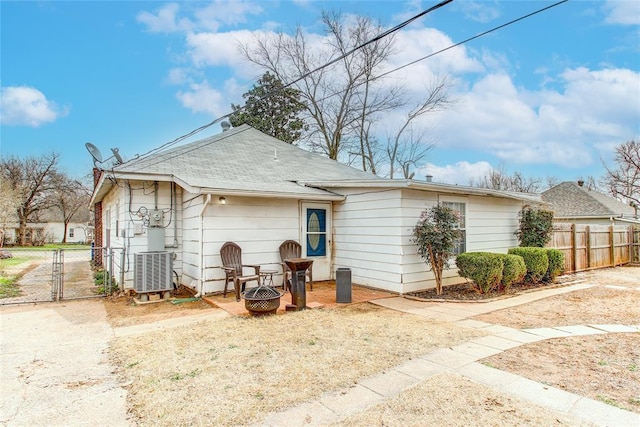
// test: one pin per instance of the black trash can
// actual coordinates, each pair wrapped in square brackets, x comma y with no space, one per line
[343,285]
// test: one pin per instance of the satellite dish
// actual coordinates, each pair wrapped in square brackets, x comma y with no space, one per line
[116,154]
[95,153]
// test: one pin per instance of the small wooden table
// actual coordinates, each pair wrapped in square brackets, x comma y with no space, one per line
[266,276]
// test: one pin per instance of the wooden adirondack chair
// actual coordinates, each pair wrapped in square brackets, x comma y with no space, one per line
[233,267]
[292,249]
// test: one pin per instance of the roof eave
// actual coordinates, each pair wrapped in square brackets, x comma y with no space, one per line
[104,186]
[426,186]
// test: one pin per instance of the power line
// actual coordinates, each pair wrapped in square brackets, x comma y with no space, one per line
[472,38]
[307,74]
[380,36]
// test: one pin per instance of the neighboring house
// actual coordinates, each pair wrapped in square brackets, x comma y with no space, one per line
[572,202]
[49,228]
[244,186]
[49,232]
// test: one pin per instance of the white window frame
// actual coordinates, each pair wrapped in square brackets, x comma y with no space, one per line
[461,209]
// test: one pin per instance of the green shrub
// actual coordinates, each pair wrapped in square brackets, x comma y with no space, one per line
[536,261]
[483,268]
[535,227]
[514,270]
[556,264]
[102,276]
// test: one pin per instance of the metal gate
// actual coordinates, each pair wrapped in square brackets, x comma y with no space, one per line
[29,275]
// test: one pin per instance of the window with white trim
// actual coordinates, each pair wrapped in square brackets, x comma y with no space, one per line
[460,209]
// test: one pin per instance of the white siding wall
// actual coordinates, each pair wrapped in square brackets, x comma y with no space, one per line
[491,223]
[366,237]
[373,235]
[257,225]
[126,205]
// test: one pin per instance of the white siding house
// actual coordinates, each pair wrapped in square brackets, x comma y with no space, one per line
[244,186]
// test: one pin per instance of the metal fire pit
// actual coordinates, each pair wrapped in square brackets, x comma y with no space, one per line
[262,300]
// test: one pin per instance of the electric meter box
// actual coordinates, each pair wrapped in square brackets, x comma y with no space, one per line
[156,219]
[155,239]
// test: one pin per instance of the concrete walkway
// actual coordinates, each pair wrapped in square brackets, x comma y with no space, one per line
[463,359]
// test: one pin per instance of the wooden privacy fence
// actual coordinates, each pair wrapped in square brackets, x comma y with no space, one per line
[588,247]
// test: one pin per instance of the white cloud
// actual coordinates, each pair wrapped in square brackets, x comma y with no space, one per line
[483,12]
[220,49]
[416,44]
[461,173]
[178,76]
[212,17]
[625,12]
[24,105]
[562,127]
[202,98]
[165,20]
[228,13]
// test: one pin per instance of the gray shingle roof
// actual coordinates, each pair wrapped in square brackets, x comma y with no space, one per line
[571,200]
[244,159]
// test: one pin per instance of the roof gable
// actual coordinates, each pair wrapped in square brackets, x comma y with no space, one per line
[569,199]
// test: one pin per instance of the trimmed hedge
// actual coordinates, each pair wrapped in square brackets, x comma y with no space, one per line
[536,261]
[483,268]
[556,264]
[514,269]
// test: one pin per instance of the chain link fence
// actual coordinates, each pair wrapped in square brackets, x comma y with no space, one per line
[29,275]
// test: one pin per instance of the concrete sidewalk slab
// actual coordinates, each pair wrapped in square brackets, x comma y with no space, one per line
[476,350]
[496,342]
[616,328]
[420,369]
[388,383]
[449,358]
[548,333]
[580,330]
[354,400]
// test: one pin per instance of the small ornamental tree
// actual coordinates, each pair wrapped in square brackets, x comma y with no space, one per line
[536,226]
[435,234]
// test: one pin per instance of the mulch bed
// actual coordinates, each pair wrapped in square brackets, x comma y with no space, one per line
[468,292]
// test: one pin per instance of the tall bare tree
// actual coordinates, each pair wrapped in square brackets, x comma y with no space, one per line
[623,180]
[71,198]
[33,180]
[499,179]
[342,99]
[8,204]
[408,147]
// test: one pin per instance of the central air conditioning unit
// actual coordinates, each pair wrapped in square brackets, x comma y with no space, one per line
[152,272]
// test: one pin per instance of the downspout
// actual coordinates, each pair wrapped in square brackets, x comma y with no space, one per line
[201,254]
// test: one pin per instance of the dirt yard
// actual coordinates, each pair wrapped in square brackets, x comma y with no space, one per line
[251,359]
[123,311]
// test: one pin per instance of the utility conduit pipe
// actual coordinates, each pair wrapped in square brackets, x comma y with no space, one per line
[201,254]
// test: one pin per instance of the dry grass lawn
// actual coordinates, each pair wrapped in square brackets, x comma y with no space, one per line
[234,370]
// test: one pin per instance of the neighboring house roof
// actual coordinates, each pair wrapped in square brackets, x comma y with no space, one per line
[572,200]
[245,161]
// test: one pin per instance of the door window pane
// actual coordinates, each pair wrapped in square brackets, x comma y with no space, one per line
[316,232]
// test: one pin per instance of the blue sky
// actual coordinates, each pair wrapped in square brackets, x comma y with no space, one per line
[549,96]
